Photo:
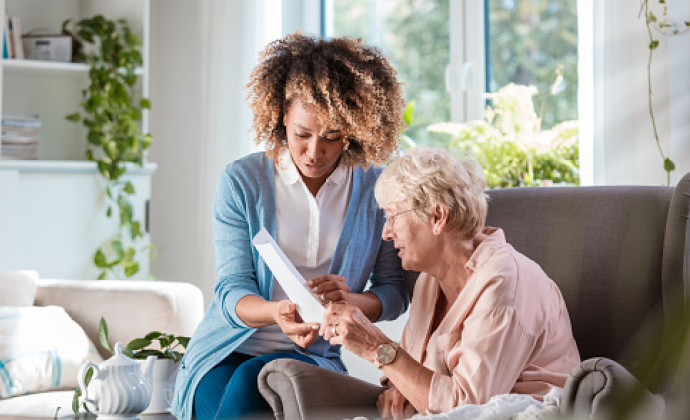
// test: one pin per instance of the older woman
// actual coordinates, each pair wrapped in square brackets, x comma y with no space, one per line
[484,319]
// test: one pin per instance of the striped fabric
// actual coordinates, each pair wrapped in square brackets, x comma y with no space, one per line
[41,349]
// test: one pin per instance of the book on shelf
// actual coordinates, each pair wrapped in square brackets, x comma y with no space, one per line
[12,38]
[17,38]
[21,121]
[7,36]
[20,137]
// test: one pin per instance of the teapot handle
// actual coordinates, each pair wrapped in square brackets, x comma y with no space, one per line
[82,381]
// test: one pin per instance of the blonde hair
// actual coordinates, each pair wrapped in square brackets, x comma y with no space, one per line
[352,87]
[427,177]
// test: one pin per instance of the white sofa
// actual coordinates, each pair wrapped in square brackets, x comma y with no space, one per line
[131,308]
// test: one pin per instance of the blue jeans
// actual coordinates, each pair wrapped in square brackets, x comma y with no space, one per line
[230,391]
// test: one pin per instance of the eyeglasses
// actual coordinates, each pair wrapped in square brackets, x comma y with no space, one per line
[390,219]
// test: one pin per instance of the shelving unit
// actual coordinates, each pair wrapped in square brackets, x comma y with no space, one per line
[52,210]
[52,90]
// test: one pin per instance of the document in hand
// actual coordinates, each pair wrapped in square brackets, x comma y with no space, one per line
[292,282]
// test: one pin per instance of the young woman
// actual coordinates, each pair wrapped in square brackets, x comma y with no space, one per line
[325,112]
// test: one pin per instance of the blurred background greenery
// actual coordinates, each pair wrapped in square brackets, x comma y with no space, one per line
[529,42]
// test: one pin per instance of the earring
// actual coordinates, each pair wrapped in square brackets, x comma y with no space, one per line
[435,231]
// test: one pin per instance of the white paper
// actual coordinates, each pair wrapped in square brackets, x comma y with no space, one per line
[292,282]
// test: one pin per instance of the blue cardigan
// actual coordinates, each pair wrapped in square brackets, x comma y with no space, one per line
[244,203]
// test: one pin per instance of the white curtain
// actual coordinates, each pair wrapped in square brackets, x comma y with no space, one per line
[201,55]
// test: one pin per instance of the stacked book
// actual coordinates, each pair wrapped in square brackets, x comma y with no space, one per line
[19,137]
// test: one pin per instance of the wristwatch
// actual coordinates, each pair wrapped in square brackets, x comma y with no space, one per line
[385,354]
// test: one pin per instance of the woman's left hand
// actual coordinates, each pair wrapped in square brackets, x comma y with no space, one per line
[346,324]
[329,288]
[392,404]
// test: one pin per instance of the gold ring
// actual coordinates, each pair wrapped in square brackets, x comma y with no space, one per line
[333,330]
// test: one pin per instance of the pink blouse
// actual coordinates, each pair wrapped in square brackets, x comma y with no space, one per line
[507,332]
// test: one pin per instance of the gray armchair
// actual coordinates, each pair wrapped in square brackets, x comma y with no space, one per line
[620,256]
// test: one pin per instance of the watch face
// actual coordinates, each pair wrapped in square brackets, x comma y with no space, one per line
[386,354]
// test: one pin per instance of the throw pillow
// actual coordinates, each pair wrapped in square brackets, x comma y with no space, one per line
[41,349]
[18,288]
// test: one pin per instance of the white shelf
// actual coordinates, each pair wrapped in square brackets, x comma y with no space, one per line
[68,166]
[43,67]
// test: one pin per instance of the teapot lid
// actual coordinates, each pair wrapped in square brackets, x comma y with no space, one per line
[118,358]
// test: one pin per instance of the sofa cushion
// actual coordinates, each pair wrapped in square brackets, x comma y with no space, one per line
[41,406]
[41,349]
[18,288]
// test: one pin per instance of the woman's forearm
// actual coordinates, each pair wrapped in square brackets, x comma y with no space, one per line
[256,312]
[368,302]
[411,378]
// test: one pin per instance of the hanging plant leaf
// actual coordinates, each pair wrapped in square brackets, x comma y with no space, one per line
[129,188]
[669,165]
[99,259]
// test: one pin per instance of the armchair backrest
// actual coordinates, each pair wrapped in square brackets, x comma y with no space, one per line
[618,253]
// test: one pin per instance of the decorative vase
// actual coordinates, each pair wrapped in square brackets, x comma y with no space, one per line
[163,385]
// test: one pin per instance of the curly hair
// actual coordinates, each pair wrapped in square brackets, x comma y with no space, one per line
[352,87]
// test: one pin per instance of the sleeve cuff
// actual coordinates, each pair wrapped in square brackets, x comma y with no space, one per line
[391,308]
[229,308]
[441,395]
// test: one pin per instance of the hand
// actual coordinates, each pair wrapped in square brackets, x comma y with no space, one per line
[346,324]
[289,321]
[393,405]
[329,288]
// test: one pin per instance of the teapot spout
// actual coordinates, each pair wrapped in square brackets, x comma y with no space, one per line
[148,369]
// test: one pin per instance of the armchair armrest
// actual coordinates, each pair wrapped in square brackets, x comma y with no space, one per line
[131,308]
[596,385]
[298,390]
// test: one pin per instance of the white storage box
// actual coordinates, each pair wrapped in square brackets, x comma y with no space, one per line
[48,47]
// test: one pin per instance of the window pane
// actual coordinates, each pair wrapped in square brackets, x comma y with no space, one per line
[534,42]
[414,35]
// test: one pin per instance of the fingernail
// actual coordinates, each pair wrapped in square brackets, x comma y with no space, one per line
[309,282]
[314,327]
[314,289]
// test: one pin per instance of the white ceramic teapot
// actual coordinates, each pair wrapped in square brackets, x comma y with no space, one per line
[118,387]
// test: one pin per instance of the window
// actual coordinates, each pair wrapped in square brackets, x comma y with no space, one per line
[450,53]
[414,34]
[534,42]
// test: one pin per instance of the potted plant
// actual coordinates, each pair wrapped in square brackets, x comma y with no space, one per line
[112,115]
[165,346]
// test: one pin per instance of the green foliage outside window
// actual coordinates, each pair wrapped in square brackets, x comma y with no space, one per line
[531,43]
[415,36]
[511,145]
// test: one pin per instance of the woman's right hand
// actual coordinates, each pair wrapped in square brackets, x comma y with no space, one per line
[289,321]
[393,405]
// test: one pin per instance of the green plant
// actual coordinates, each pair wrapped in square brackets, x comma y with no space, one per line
[112,117]
[139,348]
[663,26]
[511,146]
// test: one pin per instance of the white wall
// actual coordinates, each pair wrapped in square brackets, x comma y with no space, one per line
[625,150]
[201,55]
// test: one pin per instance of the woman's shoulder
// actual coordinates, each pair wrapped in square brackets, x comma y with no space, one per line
[251,162]
[367,174]
[247,175]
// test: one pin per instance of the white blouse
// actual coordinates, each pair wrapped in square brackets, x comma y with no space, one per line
[308,231]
